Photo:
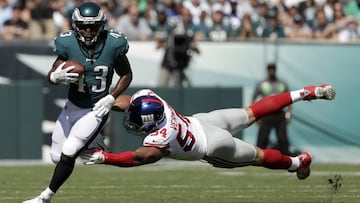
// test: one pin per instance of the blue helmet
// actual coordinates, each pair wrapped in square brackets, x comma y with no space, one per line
[88,16]
[144,115]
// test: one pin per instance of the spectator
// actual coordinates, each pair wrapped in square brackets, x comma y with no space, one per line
[261,21]
[247,29]
[206,21]
[16,28]
[171,9]
[196,7]
[273,29]
[219,30]
[353,8]
[234,17]
[307,9]
[222,5]
[41,24]
[61,21]
[270,86]
[133,25]
[351,32]
[339,17]
[298,29]
[108,7]
[5,12]
[150,13]
[161,29]
[250,7]
[320,25]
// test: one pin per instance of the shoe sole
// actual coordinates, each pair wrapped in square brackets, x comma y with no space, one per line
[329,93]
[303,173]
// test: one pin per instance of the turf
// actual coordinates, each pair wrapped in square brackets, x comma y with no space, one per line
[184,183]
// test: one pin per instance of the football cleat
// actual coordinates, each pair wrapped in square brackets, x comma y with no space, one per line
[38,199]
[323,91]
[303,170]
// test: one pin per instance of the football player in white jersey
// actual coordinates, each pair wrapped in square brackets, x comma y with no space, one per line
[206,136]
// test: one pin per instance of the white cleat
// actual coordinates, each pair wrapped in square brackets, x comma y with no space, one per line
[323,91]
[38,199]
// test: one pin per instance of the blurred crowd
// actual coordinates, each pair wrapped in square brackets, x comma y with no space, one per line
[212,20]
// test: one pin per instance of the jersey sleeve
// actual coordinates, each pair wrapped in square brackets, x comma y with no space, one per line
[63,42]
[59,48]
[156,139]
[119,41]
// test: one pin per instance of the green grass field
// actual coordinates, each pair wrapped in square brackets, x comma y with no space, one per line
[178,183]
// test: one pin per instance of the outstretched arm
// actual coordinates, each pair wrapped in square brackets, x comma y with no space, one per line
[141,156]
[121,103]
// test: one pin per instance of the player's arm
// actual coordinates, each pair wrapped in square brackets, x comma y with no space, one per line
[141,156]
[59,60]
[58,75]
[123,69]
[121,103]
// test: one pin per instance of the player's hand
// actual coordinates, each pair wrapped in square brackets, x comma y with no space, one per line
[63,76]
[103,106]
[93,157]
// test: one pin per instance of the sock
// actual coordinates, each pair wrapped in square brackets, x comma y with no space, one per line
[61,173]
[297,95]
[271,104]
[295,162]
[123,159]
[47,193]
[273,159]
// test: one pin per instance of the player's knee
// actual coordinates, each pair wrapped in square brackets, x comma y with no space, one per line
[55,157]
[72,146]
[259,156]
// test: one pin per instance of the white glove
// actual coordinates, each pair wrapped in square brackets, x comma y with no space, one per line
[63,76]
[103,106]
[93,157]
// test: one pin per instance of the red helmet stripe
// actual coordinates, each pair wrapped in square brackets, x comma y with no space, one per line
[151,100]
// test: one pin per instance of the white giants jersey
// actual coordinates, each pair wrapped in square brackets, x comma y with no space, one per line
[182,136]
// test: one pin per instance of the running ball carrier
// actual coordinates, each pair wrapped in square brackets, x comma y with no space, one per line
[97,49]
[89,99]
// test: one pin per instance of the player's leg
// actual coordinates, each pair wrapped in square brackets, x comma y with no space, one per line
[82,133]
[59,135]
[220,142]
[232,119]
[245,154]
[274,159]
[274,103]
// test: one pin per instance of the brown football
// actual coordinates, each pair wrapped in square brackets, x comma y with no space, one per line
[79,68]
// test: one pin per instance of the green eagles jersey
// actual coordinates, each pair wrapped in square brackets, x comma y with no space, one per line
[99,65]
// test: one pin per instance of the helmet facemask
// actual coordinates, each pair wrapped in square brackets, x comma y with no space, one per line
[88,22]
[144,116]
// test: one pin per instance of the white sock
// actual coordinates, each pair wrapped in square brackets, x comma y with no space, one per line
[47,193]
[295,162]
[297,95]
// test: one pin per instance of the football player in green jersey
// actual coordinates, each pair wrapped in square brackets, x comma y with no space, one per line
[78,127]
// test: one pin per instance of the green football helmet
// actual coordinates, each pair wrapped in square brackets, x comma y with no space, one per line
[88,22]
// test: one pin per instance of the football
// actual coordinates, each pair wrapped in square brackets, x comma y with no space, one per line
[79,68]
